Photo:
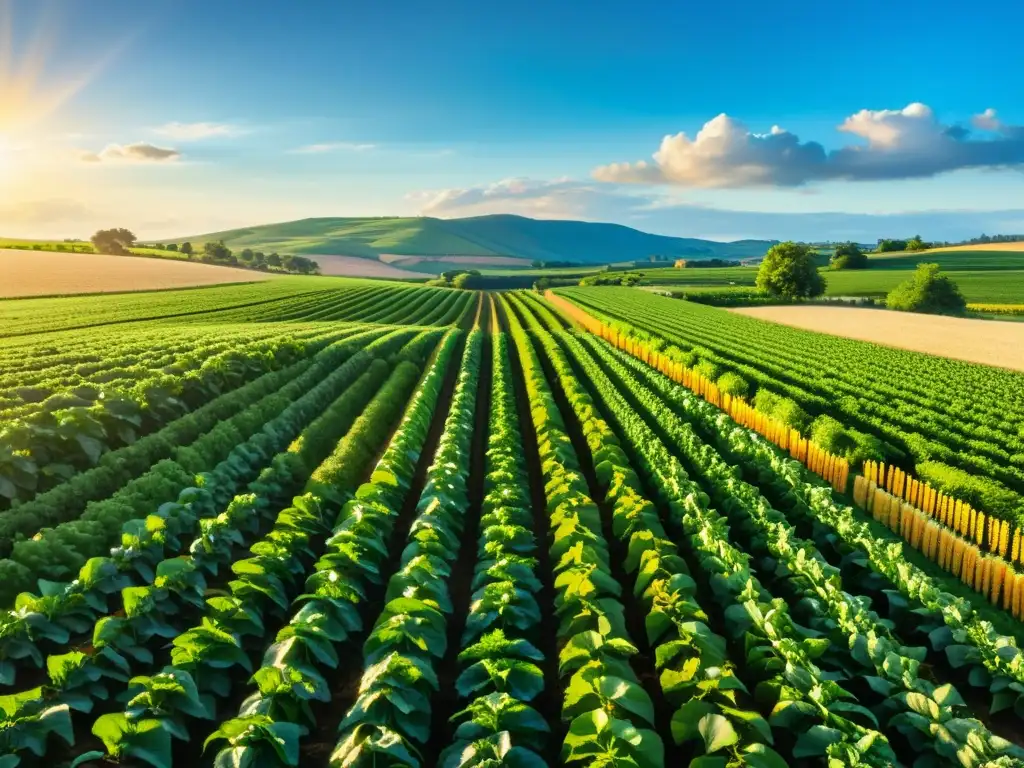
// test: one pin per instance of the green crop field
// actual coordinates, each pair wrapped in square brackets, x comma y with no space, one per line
[995,277]
[322,521]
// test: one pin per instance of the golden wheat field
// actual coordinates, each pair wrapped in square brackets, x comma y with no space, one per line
[1016,246]
[42,273]
[991,342]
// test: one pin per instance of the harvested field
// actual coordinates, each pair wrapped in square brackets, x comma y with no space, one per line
[42,273]
[978,341]
[355,266]
[1015,246]
[480,261]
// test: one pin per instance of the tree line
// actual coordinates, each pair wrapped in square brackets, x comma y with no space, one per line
[119,242]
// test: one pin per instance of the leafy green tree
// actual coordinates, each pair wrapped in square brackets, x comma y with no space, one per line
[789,272]
[216,252]
[247,255]
[116,241]
[888,246]
[186,248]
[172,247]
[928,292]
[916,244]
[849,256]
[274,260]
[301,265]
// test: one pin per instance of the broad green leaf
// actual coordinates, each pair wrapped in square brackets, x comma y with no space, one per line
[718,732]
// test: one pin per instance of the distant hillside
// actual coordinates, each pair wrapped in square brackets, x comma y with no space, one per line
[480,236]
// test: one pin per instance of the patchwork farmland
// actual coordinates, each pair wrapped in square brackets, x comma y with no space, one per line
[331,522]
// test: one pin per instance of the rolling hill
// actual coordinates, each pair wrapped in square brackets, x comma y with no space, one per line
[405,241]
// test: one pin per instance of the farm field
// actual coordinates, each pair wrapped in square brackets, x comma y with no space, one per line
[925,409]
[999,344]
[1014,246]
[43,273]
[992,285]
[340,522]
[353,266]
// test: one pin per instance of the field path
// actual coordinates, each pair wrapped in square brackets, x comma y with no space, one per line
[44,273]
[990,342]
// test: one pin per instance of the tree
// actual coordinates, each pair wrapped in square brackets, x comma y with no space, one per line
[116,241]
[916,244]
[216,252]
[888,246]
[172,247]
[186,248]
[927,291]
[788,271]
[305,266]
[246,255]
[849,256]
[274,260]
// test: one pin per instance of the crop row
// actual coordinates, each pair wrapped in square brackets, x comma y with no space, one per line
[948,624]
[931,717]
[89,509]
[66,611]
[23,317]
[911,706]
[831,375]
[165,711]
[713,712]
[373,304]
[70,434]
[35,372]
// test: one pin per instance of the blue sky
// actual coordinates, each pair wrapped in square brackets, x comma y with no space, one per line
[190,115]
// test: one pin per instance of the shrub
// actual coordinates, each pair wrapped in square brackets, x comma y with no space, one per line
[782,408]
[791,414]
[765,400]
[708,369]
[730,383]
[832,436]
[928,292]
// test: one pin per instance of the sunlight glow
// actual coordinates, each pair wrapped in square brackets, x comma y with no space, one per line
[30,91]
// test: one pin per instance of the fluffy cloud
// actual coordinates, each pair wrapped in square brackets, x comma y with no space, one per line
[568,199]
[332,146]
[197,131]
[140,152]
[897,144]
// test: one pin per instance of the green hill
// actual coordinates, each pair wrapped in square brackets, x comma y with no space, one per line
[480,236]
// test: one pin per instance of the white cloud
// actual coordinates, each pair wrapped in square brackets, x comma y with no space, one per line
[197,131]
[332,146]
[140,152]
[899,144]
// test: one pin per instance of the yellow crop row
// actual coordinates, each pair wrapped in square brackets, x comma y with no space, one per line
[998,309]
